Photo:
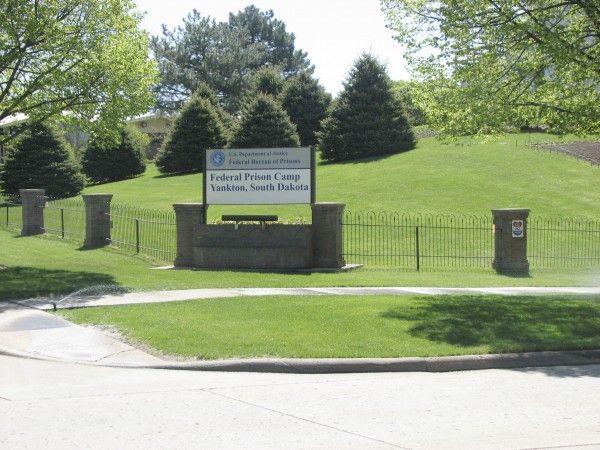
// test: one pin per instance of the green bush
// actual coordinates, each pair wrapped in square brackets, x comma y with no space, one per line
[264,123]
[204,91]
[105,160]
[367,118]
[197,128]
[306,103]
[41,160]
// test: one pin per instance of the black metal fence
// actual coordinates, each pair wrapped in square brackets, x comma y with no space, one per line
[65,218]
[376,239]
[144,231]
[11,216]
[391,239]
[563,242]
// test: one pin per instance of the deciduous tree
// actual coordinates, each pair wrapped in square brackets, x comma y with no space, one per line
[493,65]
[85,59]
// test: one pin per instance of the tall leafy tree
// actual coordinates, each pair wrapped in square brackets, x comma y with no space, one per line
[405,91]
[196,129]
[41,160]
[108,159]
[367,118]
[264,123]
[88,58]
[224,55]
[306,102]
[493,65]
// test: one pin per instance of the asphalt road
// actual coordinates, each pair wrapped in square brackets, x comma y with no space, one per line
[64,405]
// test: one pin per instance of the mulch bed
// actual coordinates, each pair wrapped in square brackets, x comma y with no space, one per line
[588,151]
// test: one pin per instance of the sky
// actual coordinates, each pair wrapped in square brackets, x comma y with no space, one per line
[333,32]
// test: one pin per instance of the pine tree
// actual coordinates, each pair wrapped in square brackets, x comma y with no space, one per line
[267,80]
[306,103]
[264,123]
[204,91]
[106,160]
[196,129]
[367,118]
[41,160]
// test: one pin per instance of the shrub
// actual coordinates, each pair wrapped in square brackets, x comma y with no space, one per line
[264,123]
[196,129]
[367,118]
[105,159]
[41,160]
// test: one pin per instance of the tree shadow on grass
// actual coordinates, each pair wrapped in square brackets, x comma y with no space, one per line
[26,282]
[505,324]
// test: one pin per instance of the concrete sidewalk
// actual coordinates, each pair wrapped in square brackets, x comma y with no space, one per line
[33,333]
[46,303]
[27,330]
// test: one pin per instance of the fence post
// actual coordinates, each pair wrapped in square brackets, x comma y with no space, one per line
[327,237]
[137,235]
[189,217]
[7,222]
[417,245]
[97,219]
[510,240]
[62,223]
[33,201]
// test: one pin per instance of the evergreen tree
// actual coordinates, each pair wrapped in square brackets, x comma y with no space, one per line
[267,80]
[196,129]
[41,160]
[204,91]
[306,103]
[264,123]
[106,160]
[367,118]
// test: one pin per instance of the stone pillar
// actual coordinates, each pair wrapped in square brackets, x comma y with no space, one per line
[327,240]
[32,211]
[189,217]
[97,220]
[510,226]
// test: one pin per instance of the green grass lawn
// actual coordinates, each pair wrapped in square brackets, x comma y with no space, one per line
[468,176]
[374,326]
[43,265]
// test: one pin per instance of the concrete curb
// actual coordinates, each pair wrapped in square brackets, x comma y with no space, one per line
[362,365]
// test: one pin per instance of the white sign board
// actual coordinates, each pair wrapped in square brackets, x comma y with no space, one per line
[518,228]
[259,176]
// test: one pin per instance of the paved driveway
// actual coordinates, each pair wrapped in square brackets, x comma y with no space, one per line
[66,405]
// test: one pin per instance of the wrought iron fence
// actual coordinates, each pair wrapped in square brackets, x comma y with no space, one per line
[144,231]
[11,218]
[392,239]
[563,242]
[65,217]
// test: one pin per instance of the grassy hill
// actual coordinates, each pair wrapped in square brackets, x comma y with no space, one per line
[463,177]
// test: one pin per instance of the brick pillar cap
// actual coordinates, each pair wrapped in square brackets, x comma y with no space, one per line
[32,191]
